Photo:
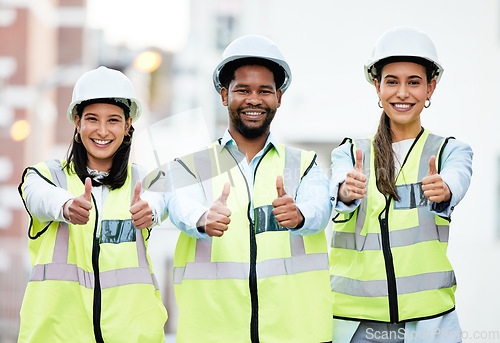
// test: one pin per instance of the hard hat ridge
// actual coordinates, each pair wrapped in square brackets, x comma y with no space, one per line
[253,46]
[102,83]
[405,43]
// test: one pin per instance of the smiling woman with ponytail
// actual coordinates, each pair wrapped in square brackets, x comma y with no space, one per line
[394,194]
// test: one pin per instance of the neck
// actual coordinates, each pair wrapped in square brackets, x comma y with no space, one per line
[249,146]
[403,132]
[100,167]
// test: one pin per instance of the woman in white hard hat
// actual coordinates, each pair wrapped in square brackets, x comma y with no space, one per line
[394,194]
[92,279]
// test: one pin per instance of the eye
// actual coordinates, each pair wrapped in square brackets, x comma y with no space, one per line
[391,82]
[414,83]
[91,118]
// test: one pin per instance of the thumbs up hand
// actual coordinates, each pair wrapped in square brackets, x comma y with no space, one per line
[142,214]
[77,210]
[435,189]
[354,186]
[285,211]
[215,221]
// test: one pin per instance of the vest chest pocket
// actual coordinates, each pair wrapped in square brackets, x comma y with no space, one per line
[117,231]
[410,196]
[265,220]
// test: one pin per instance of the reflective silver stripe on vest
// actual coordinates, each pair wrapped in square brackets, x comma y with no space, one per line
[57,173]
[292,171]
[360,240]
[432,147]
[240,270]
[299,262]
[398,238]
[73,273]
[60,270]
[405,285]
[426,231]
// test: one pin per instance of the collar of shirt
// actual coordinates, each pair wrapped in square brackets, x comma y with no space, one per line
[248,169]
[227,141]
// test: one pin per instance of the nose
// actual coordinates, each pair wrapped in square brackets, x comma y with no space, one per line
[102,129]
[254,99]
[402,91]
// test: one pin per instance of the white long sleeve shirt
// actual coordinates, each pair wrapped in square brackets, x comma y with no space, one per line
[45,202]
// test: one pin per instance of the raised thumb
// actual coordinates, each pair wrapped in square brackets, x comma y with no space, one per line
[88,189]
[225,194]
[432,165]
[279,186]
[359,160]
[137,192]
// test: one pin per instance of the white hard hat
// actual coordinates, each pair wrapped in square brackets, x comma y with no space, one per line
[104,83]
[403,42]
[253,46]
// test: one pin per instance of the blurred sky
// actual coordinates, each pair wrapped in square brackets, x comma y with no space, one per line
[142,24]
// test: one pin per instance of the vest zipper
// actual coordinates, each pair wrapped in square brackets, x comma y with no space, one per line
[386,247]
[252,277]
[252,282]
[389,263]
[97,284]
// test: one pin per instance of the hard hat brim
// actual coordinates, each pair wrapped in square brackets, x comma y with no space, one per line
[135,109]
[282,64]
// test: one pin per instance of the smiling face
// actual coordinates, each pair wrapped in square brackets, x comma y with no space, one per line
[102,128]
[252,101]
[403,90]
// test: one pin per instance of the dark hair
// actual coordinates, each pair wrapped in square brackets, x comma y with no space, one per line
[226,75]
[382,142]
[430,68]
[78,154]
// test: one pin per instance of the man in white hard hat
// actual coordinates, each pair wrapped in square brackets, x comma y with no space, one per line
[251,261]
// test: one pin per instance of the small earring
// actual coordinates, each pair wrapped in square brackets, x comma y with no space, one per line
[127,139]
[77,138]
[427,105]
[380,103]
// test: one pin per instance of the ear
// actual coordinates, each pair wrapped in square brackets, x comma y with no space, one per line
[279,93]
[78,122]
[430,88]
[377,86]
[128,124]
[223,95]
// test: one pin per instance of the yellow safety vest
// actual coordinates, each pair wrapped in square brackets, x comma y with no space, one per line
[388,259]
[87,285]
[259,281]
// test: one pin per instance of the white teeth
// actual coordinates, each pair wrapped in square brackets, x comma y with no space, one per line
[253,113]
[101,142]
[402,106]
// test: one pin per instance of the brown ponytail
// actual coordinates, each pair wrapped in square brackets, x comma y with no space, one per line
[384,158]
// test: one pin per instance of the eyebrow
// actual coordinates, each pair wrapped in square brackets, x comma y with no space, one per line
[410,77]
[95,114]
[242,85]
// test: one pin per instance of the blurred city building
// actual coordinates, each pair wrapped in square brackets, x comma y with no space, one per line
[42,51]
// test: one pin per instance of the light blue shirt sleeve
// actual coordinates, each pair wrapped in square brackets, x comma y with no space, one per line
[456,171]
[341,164]
[186,203]
[184,200]
[313,202]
